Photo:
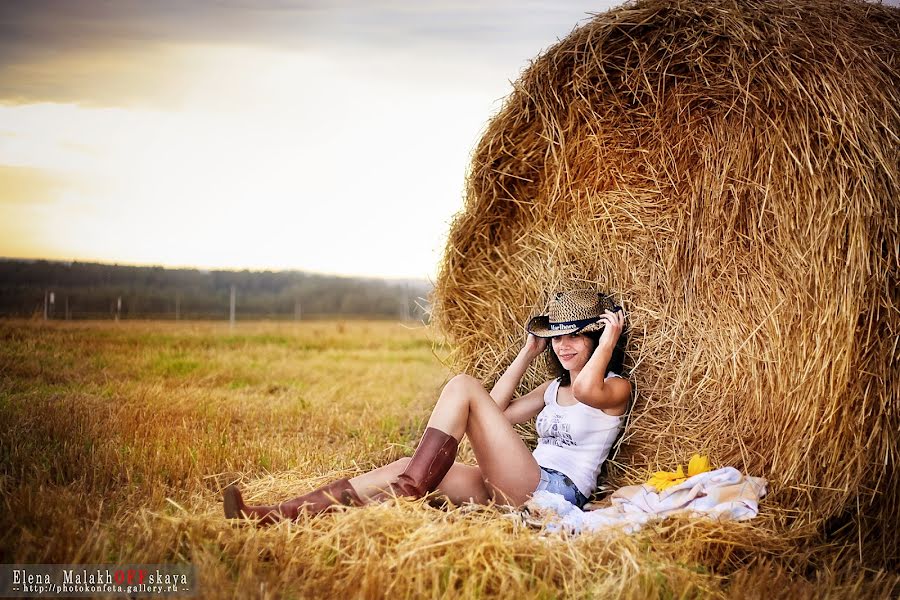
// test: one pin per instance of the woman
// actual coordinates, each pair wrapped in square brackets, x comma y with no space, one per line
[580,414]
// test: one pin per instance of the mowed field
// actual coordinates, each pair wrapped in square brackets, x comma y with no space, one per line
[118,438]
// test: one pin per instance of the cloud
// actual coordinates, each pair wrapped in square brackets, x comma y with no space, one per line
[133,52]
[43,26]
[122,53]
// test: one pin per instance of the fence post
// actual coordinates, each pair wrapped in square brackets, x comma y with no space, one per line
[231,313]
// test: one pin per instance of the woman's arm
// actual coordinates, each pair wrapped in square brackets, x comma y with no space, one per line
[590,386]
[526,407]
[503,390]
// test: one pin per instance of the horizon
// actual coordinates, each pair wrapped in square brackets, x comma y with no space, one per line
[319,137]
[199,269]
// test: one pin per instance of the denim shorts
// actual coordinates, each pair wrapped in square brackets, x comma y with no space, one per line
[559,483]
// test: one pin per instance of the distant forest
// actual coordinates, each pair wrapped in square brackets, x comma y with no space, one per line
[76,290]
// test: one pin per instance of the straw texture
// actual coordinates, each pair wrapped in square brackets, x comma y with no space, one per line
[729,170]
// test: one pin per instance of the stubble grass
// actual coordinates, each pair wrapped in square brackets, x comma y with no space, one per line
[118,439]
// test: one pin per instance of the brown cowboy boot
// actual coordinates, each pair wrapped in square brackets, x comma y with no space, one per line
[313,503]
[432,459]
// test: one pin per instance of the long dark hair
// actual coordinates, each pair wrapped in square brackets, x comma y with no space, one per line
[616,361]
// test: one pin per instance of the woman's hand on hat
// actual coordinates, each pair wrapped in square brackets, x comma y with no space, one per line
[613,323]
[534,345]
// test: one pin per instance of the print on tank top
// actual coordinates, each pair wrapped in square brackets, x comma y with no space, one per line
[559,434]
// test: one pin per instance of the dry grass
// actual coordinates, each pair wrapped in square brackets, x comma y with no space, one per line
[118,439]
[730,169]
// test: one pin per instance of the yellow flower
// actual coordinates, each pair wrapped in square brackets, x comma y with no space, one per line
[698,464]
[666,479]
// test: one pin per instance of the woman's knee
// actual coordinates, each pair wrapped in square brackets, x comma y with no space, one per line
[462,384]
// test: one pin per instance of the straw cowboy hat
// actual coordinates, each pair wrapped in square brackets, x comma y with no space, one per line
[577,311]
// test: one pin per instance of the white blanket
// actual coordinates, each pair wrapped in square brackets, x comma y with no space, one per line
[721,494]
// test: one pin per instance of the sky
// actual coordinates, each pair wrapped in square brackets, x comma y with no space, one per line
[322,135]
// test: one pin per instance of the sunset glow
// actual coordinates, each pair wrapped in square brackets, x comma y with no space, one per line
[227,151]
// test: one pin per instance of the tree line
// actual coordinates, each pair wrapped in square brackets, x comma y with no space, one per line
[81,290]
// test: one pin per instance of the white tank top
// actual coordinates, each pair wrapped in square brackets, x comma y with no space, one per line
[575,440]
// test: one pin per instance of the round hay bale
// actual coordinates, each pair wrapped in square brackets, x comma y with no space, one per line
[729,170]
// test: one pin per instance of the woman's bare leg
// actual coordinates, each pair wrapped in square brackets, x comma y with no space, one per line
[463,483]
[506,471]
[370,485]
[507,467]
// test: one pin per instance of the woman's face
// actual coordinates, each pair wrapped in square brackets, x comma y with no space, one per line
[573,350]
